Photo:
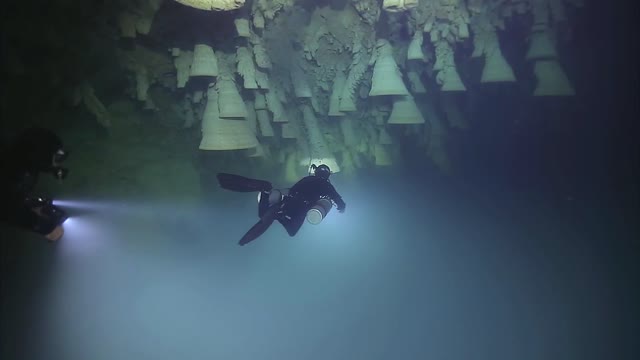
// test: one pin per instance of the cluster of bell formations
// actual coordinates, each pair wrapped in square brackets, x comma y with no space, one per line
[318,84]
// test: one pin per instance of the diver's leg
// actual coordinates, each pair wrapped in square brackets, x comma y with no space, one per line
[261,226]
[267,199]
[242,184]
[292,215]
[292,223]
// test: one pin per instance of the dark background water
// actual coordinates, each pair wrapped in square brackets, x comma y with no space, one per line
[530,252]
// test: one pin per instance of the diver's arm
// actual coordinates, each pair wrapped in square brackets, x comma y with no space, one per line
[26,218]
[341,204]
[17,210]
[30,219]
[336,198]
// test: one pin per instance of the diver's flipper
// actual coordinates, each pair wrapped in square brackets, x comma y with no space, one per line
[242,184]
[260,227]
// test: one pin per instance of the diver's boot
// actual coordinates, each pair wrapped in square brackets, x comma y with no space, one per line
[242,184]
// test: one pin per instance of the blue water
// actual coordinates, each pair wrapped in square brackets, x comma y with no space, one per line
[407,272]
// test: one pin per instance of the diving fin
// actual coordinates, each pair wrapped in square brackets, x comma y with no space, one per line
[260,227]
[242,184]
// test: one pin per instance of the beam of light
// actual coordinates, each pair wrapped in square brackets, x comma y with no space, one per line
[83,204]
[85,232]
[76,208]
[125,207]
[97,225]
[82,235]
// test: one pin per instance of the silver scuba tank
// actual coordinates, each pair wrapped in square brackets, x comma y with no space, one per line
[319,211]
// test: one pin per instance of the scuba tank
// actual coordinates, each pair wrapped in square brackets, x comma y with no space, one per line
[315,215]
[319,211]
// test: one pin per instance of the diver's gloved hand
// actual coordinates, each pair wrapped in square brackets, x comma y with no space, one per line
[55,234]
[341,210]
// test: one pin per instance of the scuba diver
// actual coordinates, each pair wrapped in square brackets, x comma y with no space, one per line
[312,197]
[34,151]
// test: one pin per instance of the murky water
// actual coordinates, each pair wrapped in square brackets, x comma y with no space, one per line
[403,274]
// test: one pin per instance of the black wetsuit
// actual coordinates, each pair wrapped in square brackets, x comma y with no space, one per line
[301,198]
[290,210]
[20,165]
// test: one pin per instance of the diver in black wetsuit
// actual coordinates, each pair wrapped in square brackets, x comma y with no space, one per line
[35,150]
[312,197]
